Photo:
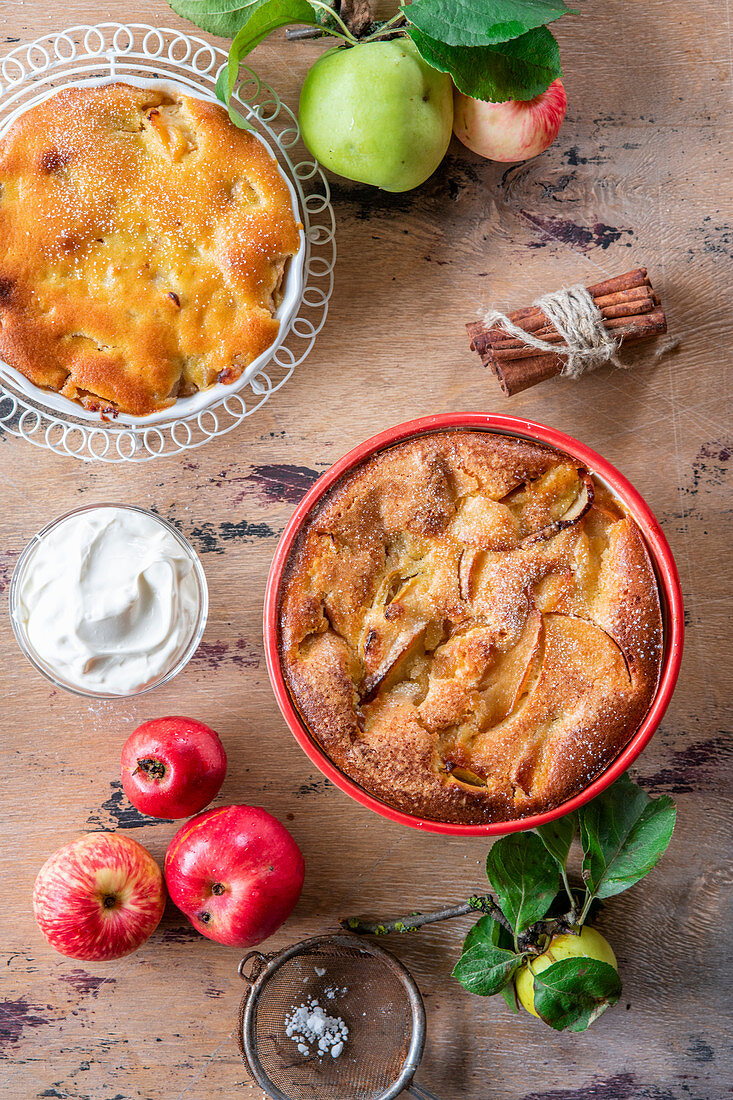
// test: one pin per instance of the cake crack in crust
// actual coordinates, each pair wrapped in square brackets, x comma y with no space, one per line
[470,626]
[145,245]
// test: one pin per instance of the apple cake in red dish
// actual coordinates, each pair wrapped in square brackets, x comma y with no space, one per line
[143,246]
[470,626]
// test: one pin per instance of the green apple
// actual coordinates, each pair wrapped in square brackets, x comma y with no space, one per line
[377,113]
[588,945]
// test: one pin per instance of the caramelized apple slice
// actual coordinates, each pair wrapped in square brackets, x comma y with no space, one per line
[597,626]
[466,567]
[571,516]
[464,776]
[170,126]
[473,682]
[582,673]
[410,644]
[509,679]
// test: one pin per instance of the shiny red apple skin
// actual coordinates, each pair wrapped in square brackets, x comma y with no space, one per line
[511,131]
[236,873]
[99,897]
[190,757]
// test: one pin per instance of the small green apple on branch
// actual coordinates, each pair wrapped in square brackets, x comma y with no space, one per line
[378,108]
[532,944]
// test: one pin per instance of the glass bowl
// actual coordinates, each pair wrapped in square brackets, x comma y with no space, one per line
[185,652]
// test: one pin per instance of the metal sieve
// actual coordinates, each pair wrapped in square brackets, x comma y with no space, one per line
[366,987]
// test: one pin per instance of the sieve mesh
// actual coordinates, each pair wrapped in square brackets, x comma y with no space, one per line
[372,993]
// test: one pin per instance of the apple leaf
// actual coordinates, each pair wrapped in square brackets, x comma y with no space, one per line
[624,834]
[484,967]
[485,970]
[572,993]
[223,17]
[509,993]
[223,93]
[557,836]
[520,69]
[487,929]
[263,18]
[467,23]
[524,876]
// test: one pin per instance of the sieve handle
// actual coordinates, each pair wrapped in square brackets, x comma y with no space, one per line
[420,1092]
[261,959]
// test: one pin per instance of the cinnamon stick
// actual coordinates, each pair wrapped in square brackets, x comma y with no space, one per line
[499,338]
[639,328]
[533,319]
[628,305]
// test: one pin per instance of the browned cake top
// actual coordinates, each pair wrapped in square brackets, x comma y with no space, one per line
[470,626]
[144,239]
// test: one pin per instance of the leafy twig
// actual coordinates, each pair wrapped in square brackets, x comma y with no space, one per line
[623,834]
[485,903]
[492,49]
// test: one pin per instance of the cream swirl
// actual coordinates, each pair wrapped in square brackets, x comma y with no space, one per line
[108,600]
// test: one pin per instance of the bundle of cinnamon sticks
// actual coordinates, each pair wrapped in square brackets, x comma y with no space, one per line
[628,305]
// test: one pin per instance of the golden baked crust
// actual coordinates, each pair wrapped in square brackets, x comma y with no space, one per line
[144,240]
[470,627]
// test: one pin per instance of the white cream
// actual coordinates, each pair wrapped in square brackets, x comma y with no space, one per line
[108,600]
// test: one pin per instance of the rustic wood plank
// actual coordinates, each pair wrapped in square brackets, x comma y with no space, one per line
[637,176]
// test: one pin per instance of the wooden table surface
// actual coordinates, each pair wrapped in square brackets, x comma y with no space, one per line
[637,176]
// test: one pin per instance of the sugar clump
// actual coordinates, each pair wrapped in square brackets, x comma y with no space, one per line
[307,1024]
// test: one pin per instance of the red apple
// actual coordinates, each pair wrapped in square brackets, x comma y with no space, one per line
[99,897]
[236,873]
[511,131]
[172,767]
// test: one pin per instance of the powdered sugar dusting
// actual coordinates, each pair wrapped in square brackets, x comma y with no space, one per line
[314,1031]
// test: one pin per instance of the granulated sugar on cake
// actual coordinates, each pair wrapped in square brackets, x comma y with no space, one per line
[308,1024]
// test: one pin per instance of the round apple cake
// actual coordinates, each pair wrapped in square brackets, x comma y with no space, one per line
[470,626]
[144,244]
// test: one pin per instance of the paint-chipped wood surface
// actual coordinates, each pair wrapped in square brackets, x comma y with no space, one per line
[638,175]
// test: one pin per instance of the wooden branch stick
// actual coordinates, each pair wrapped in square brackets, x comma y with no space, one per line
[365,926]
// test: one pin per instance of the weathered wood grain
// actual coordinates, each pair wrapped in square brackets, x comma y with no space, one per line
[638,176]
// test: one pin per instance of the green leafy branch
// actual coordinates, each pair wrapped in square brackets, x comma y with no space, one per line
[493,49]
[623,834]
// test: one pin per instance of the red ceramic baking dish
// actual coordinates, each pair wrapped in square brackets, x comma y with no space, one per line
[664,566]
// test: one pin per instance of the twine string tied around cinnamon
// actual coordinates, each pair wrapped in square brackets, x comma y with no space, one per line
[578,320]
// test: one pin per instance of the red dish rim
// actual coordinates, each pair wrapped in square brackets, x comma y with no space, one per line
[662,559]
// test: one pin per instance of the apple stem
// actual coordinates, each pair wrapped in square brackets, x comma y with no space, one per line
[485,903]
[392,26]
[346,33]
[584,912]
[154,769]
[356,19]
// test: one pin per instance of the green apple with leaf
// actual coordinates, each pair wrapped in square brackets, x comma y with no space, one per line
[377,108]
[586,944]
[532,944]
[399,141]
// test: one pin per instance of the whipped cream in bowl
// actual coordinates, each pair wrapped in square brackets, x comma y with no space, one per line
[108,601]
